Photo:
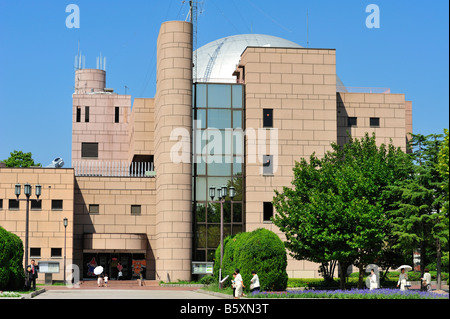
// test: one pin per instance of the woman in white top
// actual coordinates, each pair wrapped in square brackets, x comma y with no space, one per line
[254,282]
[402,279]
[238,284]
[373,280]
[426,281]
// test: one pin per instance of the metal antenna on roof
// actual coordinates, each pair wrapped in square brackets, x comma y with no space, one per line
[101,62]
[194,16]
[193,12]
[307,29]
[79,59]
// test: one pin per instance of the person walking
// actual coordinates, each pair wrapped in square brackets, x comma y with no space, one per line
[100,280]
[254,286]
[426,281]
[119,268]
[239,284]
[373,280]
[233,284]
[402,279]
[32,274]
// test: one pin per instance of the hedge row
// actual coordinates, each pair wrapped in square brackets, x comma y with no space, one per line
[12,275]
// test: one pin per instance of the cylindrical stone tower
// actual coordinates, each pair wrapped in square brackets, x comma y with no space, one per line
[89,80]
[173,111]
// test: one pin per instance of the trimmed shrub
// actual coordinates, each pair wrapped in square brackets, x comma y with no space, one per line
[207,280]
[12,275]
[261,251]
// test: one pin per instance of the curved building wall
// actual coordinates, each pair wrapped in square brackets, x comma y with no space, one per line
[217,60]
[89,80]
[173,109]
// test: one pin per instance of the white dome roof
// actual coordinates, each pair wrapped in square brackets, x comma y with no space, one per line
[217,60]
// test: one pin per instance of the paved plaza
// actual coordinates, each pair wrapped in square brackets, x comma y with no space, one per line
[124,290]
[123,294]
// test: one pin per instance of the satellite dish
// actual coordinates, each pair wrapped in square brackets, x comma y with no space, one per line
[56,163]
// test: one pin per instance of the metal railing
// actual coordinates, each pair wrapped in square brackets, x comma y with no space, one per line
[353,89]
[217,80]
[113,169]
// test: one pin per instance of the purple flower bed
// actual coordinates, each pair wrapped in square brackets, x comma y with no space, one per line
[384,293]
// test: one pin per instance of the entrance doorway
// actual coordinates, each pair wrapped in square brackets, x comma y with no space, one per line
[131,265]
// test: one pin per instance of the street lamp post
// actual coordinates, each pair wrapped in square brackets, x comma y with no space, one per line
[222,194]
[65,220]
[27,191]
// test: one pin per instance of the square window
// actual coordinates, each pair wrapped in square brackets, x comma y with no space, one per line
[56,252]
[35,252]
[13,204]
[374,122]
[200,212]
[57,204]
[267,164]
[268,118]
[35,204]
[135,209]
[352,121]
[89,150]
[200,254]
[1,203]
[219,119]
[219,96]
[267,211]
[94,209]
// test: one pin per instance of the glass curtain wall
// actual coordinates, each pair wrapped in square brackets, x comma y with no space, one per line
[218,159]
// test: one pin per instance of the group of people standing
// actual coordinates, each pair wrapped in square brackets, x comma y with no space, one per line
[238,284]
[102,280]
[402,280]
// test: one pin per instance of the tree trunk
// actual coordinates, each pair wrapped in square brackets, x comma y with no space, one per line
[361,277]
[422,258]
[438,264]
[343,274]
[327,270]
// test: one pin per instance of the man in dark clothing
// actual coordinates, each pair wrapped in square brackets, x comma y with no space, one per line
[32,274]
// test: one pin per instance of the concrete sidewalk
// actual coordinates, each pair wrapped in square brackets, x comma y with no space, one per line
[125,290]
[98,294]
[126,285]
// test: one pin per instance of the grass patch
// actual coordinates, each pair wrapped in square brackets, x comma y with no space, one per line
[10,294]
[17,293]
[215,288]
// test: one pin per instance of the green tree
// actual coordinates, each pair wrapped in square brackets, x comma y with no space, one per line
[336,207]
[443,159]
[418,217]
[20,159]
[443,167]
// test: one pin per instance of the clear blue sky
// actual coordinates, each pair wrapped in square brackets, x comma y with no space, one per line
[409,53]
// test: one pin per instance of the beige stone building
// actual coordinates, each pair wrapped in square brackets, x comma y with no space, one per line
[138,190]
[47,233]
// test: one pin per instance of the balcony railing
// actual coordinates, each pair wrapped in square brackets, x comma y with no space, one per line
[113,169]
[353,89]
[217,80]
